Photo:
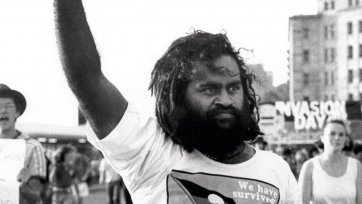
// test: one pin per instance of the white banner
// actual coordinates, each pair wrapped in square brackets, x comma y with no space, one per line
[312,115]
[12,156]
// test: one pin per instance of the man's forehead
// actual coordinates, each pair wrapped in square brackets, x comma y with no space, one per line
[224,65]
[5,99]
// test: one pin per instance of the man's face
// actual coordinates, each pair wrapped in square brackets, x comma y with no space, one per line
[215,121]
[8,114]
[260,145]
[215,91]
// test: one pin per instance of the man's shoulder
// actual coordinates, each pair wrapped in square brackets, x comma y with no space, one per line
[269,157]
[270,154]
[133,123]
[29,139]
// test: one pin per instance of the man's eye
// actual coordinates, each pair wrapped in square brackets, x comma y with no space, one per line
[9,106]
[234,88]
[208,90]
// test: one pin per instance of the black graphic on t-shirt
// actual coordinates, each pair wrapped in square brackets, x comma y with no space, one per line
[202,188]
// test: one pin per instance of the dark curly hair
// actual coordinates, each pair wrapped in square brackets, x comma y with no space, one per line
[175,69]
[62,151]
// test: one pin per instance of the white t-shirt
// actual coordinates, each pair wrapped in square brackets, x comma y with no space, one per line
[158,171]
[107,173]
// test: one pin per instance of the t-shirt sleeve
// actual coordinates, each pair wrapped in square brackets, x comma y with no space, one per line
[138,150]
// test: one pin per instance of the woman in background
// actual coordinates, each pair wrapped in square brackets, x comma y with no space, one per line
[332,177]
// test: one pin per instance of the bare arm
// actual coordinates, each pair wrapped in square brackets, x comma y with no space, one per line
[305,182]
[100,101]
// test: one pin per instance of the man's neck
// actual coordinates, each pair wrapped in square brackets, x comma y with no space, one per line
[239,155]
[8,133]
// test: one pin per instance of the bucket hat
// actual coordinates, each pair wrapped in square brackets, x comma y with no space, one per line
[18,98]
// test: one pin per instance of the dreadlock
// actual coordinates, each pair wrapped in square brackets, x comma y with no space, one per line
[175,69]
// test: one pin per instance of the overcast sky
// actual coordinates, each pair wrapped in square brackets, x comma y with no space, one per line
[131,36]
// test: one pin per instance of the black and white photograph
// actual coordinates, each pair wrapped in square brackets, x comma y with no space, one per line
[181,102]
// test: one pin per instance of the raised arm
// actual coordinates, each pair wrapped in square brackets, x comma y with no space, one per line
[100,101]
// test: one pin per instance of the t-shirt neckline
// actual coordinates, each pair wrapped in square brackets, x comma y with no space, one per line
[245,163]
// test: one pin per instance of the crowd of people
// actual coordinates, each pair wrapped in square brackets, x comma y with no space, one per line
[51,177]
[71,174]
[196,150]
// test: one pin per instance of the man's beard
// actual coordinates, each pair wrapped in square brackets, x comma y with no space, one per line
[207,135]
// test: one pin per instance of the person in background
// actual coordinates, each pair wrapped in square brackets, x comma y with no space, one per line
[332,177]
[46,194]
[62,176]
[288,155]
[306,152]
[299,157]
[317,149]
[357,149]
[81,165]
[112,180]
[12,106]
[260,143]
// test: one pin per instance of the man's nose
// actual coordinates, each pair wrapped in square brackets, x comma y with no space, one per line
[224,99]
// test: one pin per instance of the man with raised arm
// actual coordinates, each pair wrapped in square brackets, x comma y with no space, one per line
[206,110]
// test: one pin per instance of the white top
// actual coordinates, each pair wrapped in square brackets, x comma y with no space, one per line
[156,170]
[107,173]
[334,190]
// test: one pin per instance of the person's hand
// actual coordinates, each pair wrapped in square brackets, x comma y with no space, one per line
[28,193]
[23,175]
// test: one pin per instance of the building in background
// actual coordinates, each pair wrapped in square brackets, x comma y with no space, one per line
[263,79]
[325,52]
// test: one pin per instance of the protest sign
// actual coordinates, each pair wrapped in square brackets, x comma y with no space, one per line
[12,155]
